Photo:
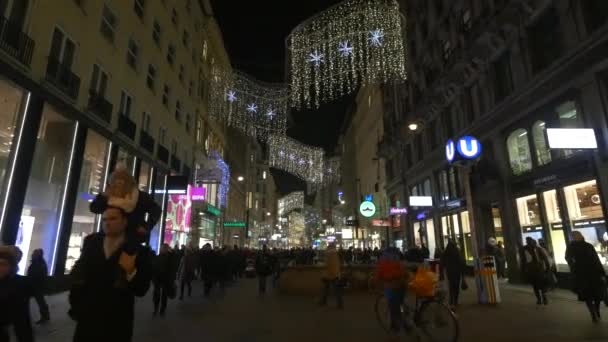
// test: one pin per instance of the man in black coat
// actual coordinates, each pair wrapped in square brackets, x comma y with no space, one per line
[106,280]
[37,274]
[15,293]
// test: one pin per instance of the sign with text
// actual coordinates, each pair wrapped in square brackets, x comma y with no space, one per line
[398,211]
[421,201]
[197,194]
[571,138]
[213,210]
[235,224]
[352,223]
[381,223]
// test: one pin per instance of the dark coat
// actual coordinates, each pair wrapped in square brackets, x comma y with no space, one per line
[587,269]
[137,218]
[37,274]
[452,262]
[15,293]
[535,264]
[101,299]
[264,264]
[164,272]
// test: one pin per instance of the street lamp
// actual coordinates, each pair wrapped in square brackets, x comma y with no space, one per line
[268,213]
[413,126]
[342,202]
[240,178]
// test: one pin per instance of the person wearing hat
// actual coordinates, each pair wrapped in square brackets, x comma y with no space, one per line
[14,297]
[105,281]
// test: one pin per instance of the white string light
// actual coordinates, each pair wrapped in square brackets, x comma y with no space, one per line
[301,160]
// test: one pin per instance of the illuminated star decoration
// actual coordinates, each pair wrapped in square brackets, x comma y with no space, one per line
[231,95]
[375,37]
[252,108]
[317,58]
[302,161]
[345,49]
[271,113]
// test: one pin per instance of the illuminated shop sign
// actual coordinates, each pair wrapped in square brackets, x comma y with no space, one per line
[421,201]
[465,148]
[235,224]
[398,211]
[367,209]
[571,138]
[213,210]
[381,223]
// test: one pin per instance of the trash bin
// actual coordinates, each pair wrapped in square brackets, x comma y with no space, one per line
[487,281]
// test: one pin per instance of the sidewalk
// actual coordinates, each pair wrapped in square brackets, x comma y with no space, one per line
[243,316]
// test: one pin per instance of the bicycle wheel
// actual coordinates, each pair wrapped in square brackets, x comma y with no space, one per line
[382,312]
[437,322]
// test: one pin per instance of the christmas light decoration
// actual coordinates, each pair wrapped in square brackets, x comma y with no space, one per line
[296,158]
[332,171]
[354,43]
[225,179]
[290,202]
[255,108]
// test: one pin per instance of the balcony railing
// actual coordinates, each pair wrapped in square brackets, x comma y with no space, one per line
[162,154]
[63,78]
[15,42]
[126,126]
[99,106]
[176,164]
[146,141]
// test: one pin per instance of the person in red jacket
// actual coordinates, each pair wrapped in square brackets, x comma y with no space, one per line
[393,277]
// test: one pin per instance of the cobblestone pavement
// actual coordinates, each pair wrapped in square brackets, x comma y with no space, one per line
[241,315]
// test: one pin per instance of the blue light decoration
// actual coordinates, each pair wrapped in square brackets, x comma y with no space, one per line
[465,149]
[369,198]
[421,216]
[225,180]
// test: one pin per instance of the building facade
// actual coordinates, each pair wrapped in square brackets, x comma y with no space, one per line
[88,84]
[504,72]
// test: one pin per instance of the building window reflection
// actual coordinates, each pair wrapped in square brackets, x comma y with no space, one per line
[519,151]
[543,153]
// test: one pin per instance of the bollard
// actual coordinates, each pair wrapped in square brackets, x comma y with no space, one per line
[487,280]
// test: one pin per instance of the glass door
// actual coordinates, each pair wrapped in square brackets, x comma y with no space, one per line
[553,213]
[467,241]
[528,210]
[430,235]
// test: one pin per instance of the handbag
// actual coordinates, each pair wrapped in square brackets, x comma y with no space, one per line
[463,285]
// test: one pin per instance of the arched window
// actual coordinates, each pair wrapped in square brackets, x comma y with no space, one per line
[543,153]
[519,151]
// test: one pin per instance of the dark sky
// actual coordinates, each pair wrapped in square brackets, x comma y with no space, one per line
[254,34]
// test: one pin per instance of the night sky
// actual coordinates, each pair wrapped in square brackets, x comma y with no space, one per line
[254,34]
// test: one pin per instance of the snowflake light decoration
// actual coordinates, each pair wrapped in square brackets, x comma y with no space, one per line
[237,100]
[290,202]
[305,162]
[271,113]
[371,33]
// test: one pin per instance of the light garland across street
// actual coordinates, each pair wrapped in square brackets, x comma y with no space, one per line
[290,202]
[289,155]
[354,43]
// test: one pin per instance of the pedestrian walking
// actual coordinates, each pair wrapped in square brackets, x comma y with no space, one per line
[393,277]
[186,270]
[331,275]
[207,264]
[589,274]
[163,280]
[106,280]
[37,274]
[14,297]
[536,267]
[263,268]
[500,260]
[453,266]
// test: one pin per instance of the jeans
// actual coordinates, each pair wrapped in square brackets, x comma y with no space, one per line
[333,283]
[395,297]
[261,284]
[160,295]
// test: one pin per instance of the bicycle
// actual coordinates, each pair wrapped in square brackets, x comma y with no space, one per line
[431,317]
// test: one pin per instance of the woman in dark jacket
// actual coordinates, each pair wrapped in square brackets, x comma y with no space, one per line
[163,280]
[536,267]
[452,263]
[589,274]
[37,274]
[14,297]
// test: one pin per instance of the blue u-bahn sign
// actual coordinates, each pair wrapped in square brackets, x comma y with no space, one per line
[466,148]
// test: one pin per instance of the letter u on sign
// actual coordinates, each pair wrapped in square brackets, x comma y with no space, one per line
[450,151]
[469,147]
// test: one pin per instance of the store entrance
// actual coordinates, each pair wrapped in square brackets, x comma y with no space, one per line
[457,227]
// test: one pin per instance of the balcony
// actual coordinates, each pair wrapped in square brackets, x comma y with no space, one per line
[162,154]
[176,164]
[62,77]
[126,126]
[99,106]
[15,43]
[146,141]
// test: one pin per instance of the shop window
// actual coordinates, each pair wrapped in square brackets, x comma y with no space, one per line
[91,182]
[431,242]
[108,24]
[528,211]
[519,152]
[586,216]
[556,227]
[545,40]
[497,223]
[466,236]
[39,226]
[543,153]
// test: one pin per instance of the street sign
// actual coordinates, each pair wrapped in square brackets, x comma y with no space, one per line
[235,224]
[213,210]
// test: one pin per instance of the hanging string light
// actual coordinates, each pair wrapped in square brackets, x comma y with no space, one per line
[224,185]
[354,43]
[292,201]
[300,160]
[257,109]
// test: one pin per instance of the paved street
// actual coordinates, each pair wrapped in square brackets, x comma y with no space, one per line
[242,316]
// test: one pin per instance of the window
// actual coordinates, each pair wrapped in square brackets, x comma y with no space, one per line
[62,49]
[174,17]
[178,111]
[145,122]
[188,120]
[132,54]
[156,32]
[543,153]
[190,87]
[503,83]
[519,151]
[444,191]
[186,38]
[138,7]
[467,23]
[174,148]
[204,50]
[99,81]
[125,104]
[545,40]
[199,130]
[181,73]
[166,94]
[447,50]
[162,135]
[108,24]
[171,54]
[151,79]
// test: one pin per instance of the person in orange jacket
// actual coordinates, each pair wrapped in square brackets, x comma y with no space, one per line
[393,276]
